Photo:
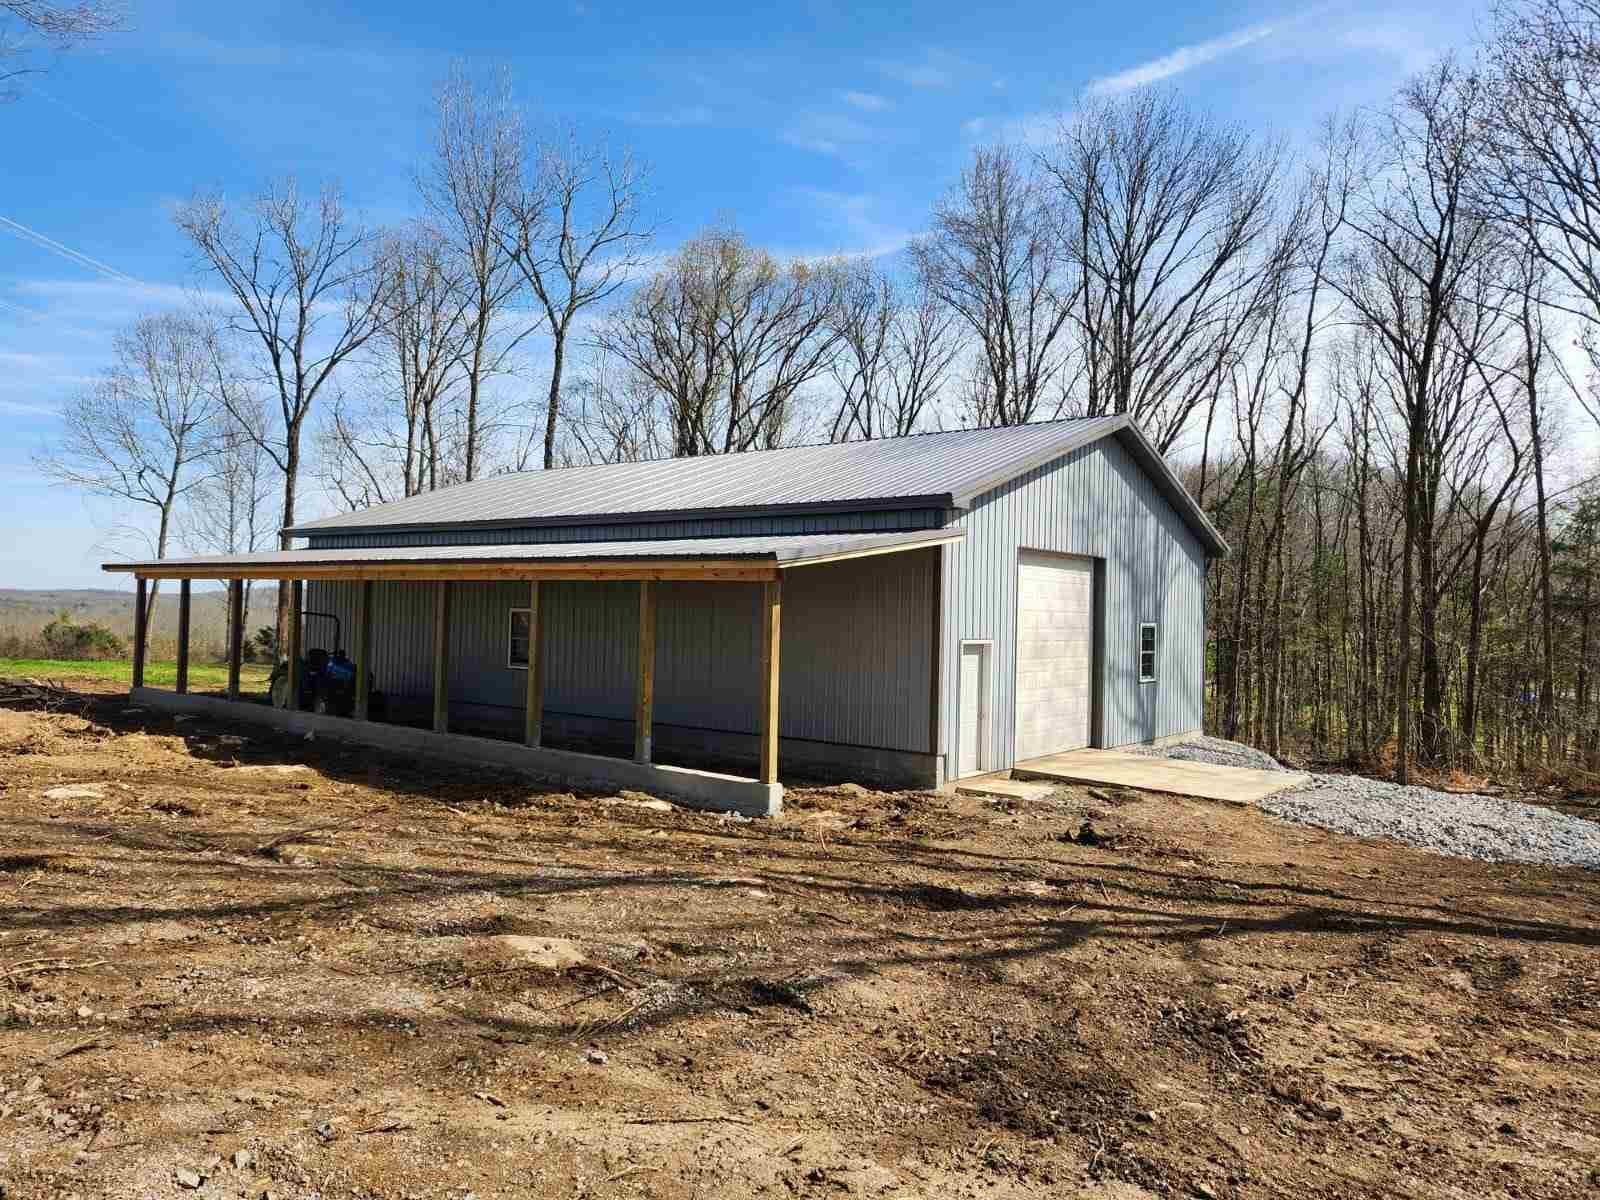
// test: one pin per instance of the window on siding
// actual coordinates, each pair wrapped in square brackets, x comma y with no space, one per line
[1147,653]
[517,639]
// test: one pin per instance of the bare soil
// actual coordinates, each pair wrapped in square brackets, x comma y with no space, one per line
[233,964]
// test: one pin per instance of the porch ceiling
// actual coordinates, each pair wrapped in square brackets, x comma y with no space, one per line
[726,558]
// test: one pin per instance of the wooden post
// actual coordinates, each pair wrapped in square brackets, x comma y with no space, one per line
[181,683]
[141,611]
[533,730]
[441,656]
[363,649]
[296,667]
[645,696]
[235,635]
[771,637]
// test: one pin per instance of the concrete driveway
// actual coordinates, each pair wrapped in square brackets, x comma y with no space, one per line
[1173,776]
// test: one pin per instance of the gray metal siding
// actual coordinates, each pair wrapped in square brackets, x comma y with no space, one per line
[856,655]
[1095,501]
[856,522]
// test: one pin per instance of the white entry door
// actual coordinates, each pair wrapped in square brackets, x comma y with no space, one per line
[1055,653]
[974,701]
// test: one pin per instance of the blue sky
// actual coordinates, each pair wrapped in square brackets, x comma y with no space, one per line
[816,128]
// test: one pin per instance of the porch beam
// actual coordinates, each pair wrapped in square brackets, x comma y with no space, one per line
[235,635]
[181,683]
[533,725]
[716,571]
[441,657]
[363,649]
[644,698]
[297,596]
[771,638]
[141,613]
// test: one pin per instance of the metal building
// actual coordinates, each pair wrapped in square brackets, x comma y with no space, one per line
[902,611]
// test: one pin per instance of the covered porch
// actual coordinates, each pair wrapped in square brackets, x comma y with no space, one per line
[598,610]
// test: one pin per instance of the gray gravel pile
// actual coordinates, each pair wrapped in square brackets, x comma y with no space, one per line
[1218,751]
[1466,825]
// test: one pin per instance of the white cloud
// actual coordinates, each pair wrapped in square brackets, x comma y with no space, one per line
[866,101]
[826,133]
[1184,58]
[681,117]
[935,69]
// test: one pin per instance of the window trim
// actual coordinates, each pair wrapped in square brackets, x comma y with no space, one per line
[1154,651]
[511,614]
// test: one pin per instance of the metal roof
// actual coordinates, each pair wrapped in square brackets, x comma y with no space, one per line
[789,550]
[930,470]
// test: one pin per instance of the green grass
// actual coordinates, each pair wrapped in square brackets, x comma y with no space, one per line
[252,676]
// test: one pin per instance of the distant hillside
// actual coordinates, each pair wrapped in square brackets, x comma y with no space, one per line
[25,611]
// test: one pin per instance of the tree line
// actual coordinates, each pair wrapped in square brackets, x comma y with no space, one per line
[1374,356]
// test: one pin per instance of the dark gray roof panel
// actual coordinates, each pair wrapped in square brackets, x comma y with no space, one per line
[928,467]
[789,550]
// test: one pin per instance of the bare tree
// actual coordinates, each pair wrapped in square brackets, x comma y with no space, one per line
[1545,55]
[728,337]
[469,189]
[896,344]
[302,275]
[142,432]
[994,260]
[1419,254]
[230,509]
[618,416]
[1165,217]
[24,24]
[577,232]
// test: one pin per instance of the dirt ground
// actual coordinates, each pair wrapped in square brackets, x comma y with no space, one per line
[233,964]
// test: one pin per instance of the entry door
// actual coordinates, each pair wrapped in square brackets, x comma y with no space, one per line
[974,702]
[1055,637]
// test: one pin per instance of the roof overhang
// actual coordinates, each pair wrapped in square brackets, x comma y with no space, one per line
[1150,460]
[741,559]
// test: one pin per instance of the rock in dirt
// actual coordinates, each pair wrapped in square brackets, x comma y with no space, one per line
[187,1178]
[551,953]
[596,1058]
[76,791]
[243,1160]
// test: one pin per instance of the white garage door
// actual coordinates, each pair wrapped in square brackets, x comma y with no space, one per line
[1055,630]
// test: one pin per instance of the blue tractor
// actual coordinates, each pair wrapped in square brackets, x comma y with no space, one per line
[327,681]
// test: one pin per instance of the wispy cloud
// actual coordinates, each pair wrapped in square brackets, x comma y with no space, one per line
[680,117]
[826,133]
[866,101]
[45,242]
[1184,58]
[934,69]
[852,215]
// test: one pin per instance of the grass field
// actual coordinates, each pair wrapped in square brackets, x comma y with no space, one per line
[252,676]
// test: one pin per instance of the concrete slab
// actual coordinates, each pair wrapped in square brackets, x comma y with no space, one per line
[695,789]
[1003,786]
[1171,776]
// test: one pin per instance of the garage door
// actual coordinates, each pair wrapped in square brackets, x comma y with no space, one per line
[1055,633]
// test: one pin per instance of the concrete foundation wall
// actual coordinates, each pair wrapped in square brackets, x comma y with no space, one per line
[696,789]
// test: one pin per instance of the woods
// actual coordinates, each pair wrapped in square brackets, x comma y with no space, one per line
[1372,353]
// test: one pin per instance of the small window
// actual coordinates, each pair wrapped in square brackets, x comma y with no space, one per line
[1147,653]
[517,639]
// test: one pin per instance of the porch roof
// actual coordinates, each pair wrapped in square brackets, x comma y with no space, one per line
[752,558]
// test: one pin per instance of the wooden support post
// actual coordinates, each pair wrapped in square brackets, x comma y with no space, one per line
[297,596]
[235,635]
[441,657]
[533,728]
[181,683]
[363,649]
[771,638]
[645,696]
[141,611]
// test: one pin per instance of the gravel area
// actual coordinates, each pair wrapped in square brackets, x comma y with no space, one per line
[1465,825]
[1218,751]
